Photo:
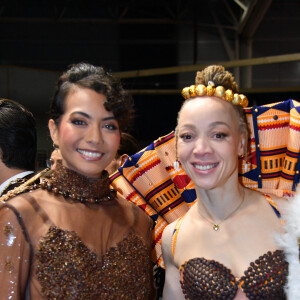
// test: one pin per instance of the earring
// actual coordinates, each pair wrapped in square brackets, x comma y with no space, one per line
[176,165]
[176,162]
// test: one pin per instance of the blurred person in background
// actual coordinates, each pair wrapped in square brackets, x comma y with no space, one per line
[128,146]
[54,158]
[18,145]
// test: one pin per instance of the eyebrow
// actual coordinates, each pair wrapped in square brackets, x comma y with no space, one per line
[89,117]
[218,123]
[212,125]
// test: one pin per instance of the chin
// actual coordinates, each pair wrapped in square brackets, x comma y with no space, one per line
[93,174]
[205,185]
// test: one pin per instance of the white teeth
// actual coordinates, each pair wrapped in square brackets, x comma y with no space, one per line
[88,153]
[206,167]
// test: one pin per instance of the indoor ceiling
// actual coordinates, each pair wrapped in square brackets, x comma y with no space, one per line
[40,38]
[44,21]
[231,13]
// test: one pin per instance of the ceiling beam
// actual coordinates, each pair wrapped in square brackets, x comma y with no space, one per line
[231,17]
[223,38]
[197,67]
[253,18]
[283,89]
[241,4]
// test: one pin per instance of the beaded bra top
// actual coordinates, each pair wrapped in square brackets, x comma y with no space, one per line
[208,279]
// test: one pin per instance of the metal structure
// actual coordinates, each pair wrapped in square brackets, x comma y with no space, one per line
[122,34]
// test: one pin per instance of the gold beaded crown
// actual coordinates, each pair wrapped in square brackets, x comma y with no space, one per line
[219,91]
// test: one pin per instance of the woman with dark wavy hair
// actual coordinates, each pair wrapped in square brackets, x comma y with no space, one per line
[74,237]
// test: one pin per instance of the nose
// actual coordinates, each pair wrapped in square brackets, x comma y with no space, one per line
[202,146]
[94,135]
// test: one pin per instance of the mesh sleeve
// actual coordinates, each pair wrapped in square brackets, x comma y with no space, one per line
[14,255]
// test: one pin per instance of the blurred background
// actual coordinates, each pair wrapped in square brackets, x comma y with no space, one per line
[154,46]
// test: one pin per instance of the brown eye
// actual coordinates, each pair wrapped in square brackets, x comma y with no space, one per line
[185,136]
[110,126]
[220,135]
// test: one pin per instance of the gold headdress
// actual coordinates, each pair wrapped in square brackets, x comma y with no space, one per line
[219,91]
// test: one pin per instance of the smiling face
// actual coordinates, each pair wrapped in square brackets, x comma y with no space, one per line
[209,141]
[87,135]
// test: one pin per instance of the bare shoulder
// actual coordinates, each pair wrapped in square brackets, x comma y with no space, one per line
[185,219]
[281,203]
[166,240]
[172,287]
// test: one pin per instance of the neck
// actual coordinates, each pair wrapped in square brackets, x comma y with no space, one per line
[218,203]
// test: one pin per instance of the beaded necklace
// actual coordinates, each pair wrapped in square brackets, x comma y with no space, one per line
[79,188]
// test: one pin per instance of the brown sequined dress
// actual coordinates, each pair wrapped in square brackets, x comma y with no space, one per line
[74,239]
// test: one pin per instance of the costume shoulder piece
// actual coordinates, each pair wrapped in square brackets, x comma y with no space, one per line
[273,162]
[25,187]
[149,179]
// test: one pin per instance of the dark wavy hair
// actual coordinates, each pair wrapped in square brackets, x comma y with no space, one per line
[18,140]
[85,75]
[128,145]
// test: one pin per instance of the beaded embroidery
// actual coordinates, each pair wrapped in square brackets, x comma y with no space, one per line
[208,279]
[67,269]
[77,187]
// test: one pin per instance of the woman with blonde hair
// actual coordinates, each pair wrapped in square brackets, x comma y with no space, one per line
[224,246]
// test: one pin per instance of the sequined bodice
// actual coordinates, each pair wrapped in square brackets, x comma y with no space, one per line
[67,269]
[74,239]
[208,279]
